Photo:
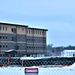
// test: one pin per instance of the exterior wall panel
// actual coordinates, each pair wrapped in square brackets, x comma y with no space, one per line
[21,30]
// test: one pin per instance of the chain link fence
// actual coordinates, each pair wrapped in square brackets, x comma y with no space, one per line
[36,61]
[43,66]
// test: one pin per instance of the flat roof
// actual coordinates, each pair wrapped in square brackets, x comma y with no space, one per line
[38,28]
[22,25]
[13,24]
[69,51]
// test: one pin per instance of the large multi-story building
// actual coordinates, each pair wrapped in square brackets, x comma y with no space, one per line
[25,40]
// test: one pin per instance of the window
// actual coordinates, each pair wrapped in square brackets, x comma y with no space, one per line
[38,32]
[74,55]
[6,46]
[23,37]
[3,27]
[0,46]
[32,32]
[22,29]
[13,30]
[3,37]
[14,39]
[6,28]
[16,47]
[3,46]
[44,32]
[0,37]
[6,37]
[29,31]
[27,46]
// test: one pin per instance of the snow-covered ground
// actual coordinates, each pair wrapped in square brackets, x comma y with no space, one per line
[41,70]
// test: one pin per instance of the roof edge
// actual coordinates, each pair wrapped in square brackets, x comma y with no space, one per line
[14,24]
[38,28]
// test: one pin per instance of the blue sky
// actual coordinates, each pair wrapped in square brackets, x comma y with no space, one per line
[58,16]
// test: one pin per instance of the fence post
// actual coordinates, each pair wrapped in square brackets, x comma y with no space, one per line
[22,63]
[8,61]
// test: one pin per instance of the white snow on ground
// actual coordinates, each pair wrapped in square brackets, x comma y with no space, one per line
[12,71]
[41,70]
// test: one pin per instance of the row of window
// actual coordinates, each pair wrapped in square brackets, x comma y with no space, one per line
[36,40]
[3,27]
[3,46]
[36,32]
[35,47]
[3,37]
[30,32]
[29,39]
[17,47]
[6,46]
[14,30]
